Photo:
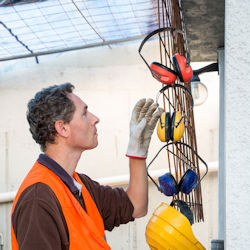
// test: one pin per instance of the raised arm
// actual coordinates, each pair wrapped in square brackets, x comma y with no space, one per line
[142,124]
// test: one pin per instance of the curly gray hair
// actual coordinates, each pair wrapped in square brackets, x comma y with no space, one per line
[48,106]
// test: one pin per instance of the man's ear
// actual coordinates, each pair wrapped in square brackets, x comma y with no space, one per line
[62,128]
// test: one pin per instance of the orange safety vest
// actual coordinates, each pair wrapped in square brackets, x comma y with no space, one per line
[86,230]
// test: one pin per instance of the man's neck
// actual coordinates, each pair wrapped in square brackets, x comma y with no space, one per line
[67,159]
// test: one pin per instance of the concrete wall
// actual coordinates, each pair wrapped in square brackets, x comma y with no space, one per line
[237,117]
[110,81]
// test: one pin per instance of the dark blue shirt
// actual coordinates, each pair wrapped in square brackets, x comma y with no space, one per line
[59,171]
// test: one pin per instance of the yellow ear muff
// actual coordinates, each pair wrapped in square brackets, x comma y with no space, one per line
[170,128]
[163,128]
[177,126]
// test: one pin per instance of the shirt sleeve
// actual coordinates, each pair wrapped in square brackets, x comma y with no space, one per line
[113,204]
[38,221]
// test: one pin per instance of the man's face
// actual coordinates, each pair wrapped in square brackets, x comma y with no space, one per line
[83,132]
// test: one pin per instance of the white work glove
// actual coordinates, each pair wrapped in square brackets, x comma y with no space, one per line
[142,124]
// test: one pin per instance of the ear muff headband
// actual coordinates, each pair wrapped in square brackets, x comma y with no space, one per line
[153,72]
[173,86]
[176,143]
[156,32]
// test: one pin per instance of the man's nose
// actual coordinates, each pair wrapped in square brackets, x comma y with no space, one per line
[95,119]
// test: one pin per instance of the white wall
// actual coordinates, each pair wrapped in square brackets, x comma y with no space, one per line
[110,81]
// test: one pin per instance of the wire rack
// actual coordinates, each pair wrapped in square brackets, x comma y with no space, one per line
[39,27]
[179,157]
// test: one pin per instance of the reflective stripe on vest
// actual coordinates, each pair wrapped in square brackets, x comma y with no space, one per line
[86,230]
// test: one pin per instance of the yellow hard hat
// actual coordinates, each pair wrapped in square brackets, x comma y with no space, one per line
[168,229]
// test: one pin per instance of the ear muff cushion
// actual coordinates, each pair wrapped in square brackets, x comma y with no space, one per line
[188,181]
[184,72]
[168,184]
[177,130]
[166,75]
[176,67]
[163,128]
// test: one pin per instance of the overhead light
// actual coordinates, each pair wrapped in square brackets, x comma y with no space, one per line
[199,89]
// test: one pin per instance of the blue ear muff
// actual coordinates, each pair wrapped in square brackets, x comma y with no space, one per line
[188,181]
[168,184]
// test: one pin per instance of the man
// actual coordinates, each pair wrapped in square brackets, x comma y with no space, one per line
[56,208]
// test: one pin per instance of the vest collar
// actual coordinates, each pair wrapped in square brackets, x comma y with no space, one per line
[59,171]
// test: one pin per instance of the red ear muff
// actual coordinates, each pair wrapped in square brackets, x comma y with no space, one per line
[162,73]
[159,71]
[182,67]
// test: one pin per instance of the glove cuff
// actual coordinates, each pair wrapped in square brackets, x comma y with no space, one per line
[136,157]
[136,150]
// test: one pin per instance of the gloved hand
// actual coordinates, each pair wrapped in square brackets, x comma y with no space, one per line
[142,124]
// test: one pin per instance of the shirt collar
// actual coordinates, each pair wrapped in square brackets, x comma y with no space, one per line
[58,170]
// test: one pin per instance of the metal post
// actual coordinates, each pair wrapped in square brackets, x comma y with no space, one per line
[221,169]
[1,241]
[217,245]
